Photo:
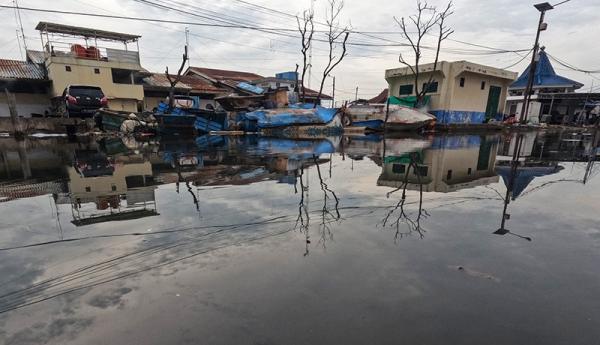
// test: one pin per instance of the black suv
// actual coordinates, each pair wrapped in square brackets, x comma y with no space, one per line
[83,100]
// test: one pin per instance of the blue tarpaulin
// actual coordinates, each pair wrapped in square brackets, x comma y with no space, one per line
[251,88]
[299,114]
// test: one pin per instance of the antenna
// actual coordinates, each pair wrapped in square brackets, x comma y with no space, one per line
[312,10]
[20,23]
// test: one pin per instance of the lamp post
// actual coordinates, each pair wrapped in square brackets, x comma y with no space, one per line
[542,7]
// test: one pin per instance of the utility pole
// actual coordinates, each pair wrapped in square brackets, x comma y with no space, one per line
[187,43]
[312,10]
[542,7]
[20,22]
[333,94]
[356,94]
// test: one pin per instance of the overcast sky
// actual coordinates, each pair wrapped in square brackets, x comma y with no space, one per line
[507,24]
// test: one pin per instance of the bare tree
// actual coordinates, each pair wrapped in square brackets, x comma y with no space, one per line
[303,219]
[334,34]
[413,225]
[306,27]
[414,29]
[173,81]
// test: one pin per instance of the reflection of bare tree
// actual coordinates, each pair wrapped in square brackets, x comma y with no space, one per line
[412,225]
[180,178]
[303,220]
[327,216]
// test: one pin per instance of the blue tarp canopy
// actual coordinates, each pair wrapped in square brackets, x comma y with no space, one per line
[524,176]
[544,76]
[299,114]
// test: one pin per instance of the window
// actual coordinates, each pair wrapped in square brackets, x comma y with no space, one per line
[88,189]
[68,68]
[449,175]
[431,87]
[113,188]
[469,171]
[483,85]
[96,70]
[421,171]
[462,82]
[406,89]
[398,169]
[121,76]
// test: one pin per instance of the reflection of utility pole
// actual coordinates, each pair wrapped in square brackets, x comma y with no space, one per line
[591,156]
[509,188]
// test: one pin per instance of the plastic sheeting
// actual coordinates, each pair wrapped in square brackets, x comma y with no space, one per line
[301,114]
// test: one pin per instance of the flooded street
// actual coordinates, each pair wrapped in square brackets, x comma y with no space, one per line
[458,239]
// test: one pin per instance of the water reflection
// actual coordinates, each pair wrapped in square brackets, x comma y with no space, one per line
[215,193]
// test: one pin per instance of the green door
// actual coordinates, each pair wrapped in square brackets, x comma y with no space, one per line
[493,101]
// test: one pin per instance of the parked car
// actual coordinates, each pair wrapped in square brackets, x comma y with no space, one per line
[82,100]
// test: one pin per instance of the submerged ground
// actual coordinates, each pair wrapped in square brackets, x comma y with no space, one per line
[266,241]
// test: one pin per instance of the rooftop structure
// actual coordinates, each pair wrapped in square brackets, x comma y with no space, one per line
[545,77]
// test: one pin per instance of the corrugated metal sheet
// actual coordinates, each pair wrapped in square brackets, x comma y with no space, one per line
[220,74]
[36,56]
[188,82]
[14,69]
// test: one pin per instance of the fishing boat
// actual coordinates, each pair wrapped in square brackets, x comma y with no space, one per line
[373,116]
[296,121]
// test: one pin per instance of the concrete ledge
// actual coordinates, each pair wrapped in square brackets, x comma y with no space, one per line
[46,125]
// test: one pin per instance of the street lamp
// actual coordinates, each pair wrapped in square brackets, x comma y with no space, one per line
[542,7]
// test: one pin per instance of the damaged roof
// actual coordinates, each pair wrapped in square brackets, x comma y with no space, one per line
[187,82]
[15,69]
[221,75]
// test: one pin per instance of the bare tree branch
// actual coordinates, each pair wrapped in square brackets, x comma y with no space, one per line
[421,23]
[334,33]
[177,79]
[307,30]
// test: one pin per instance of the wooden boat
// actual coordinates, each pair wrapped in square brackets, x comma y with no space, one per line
[373,116]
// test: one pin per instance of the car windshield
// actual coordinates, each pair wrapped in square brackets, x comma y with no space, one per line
[95,92]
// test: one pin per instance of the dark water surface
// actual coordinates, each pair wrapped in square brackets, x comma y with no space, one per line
[264,241]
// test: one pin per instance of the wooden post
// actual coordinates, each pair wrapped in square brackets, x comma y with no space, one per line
[12,108]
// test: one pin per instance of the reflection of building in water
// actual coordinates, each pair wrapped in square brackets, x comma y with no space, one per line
[103,190]
[563,146]
[451,164]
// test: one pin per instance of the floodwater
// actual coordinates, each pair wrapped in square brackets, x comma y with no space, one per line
[493,239]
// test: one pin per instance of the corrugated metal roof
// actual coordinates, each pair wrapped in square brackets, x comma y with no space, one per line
[36,56]
[189,82]
[14,69]
[220,74]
